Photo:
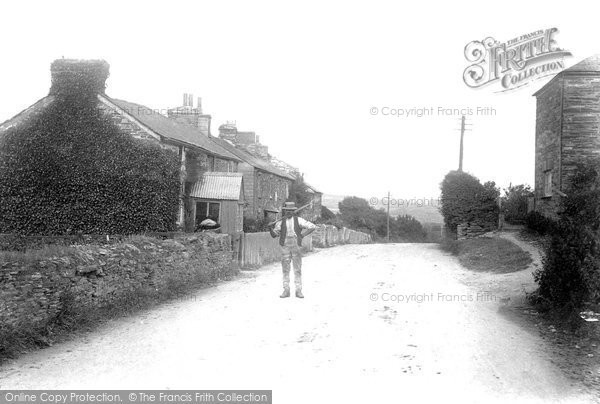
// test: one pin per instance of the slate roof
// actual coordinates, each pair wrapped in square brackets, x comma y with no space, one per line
[313,189]
[170,129]
[219,186]
[250,159]
[589,66]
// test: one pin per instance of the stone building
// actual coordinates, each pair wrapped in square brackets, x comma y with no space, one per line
[313,212]
[190,115]
[567,130]
[247,141]
[265,187]
[197,153]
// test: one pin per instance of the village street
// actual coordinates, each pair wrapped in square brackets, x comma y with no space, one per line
[346,342]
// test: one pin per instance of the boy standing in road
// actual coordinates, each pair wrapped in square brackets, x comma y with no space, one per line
[291,230]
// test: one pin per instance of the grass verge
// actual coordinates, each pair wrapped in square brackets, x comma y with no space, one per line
[489,254]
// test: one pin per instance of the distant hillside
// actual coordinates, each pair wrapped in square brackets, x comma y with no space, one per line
[427,213]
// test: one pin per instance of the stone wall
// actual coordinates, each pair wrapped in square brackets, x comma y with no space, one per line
[129,125]
[34,289]
[270,192]
[312,213]
[471,230]
[547,144]
[580,124]
[567,127]
[329,236]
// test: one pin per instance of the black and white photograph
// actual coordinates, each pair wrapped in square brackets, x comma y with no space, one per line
[299,202]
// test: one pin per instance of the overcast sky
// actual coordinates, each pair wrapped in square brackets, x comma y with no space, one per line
[305,75]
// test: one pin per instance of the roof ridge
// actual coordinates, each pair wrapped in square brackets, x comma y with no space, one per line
[591,62]
[171,129]
[251,159]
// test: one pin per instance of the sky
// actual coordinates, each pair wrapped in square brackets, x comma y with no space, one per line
[306,77]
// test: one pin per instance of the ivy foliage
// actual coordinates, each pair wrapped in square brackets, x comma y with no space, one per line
[570,275]
[70,169]
[465,200]
[78,79]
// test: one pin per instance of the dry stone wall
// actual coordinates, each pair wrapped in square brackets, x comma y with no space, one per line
[34,291]
[329,235]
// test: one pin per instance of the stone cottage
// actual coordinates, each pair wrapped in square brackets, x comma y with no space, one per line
[266,188]
[313,212]
[249,143]
[567,130]
[198,154]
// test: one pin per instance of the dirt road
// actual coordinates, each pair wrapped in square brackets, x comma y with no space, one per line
[380,323]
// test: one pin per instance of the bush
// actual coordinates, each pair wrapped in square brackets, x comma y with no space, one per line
[539,223]
[465,200]
[69,169]
[514,203]
[570,275]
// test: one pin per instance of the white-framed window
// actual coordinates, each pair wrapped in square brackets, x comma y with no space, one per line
[548,183]
[207,210]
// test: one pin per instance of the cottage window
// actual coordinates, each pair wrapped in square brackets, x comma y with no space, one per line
[207,210]
[211,163]
[548,184]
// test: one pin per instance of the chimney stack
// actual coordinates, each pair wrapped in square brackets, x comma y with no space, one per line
[189,115]
[79,78]
[188,100]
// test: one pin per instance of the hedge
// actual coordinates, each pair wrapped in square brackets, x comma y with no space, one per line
[465,200]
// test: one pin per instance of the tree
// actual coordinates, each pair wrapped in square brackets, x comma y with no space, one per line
[514,203]
[357,214]
[465,200]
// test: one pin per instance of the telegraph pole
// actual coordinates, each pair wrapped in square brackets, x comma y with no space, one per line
[462,136]
[463,129]
[388,217]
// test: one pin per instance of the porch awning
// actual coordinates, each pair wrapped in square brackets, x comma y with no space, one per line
[219,186]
